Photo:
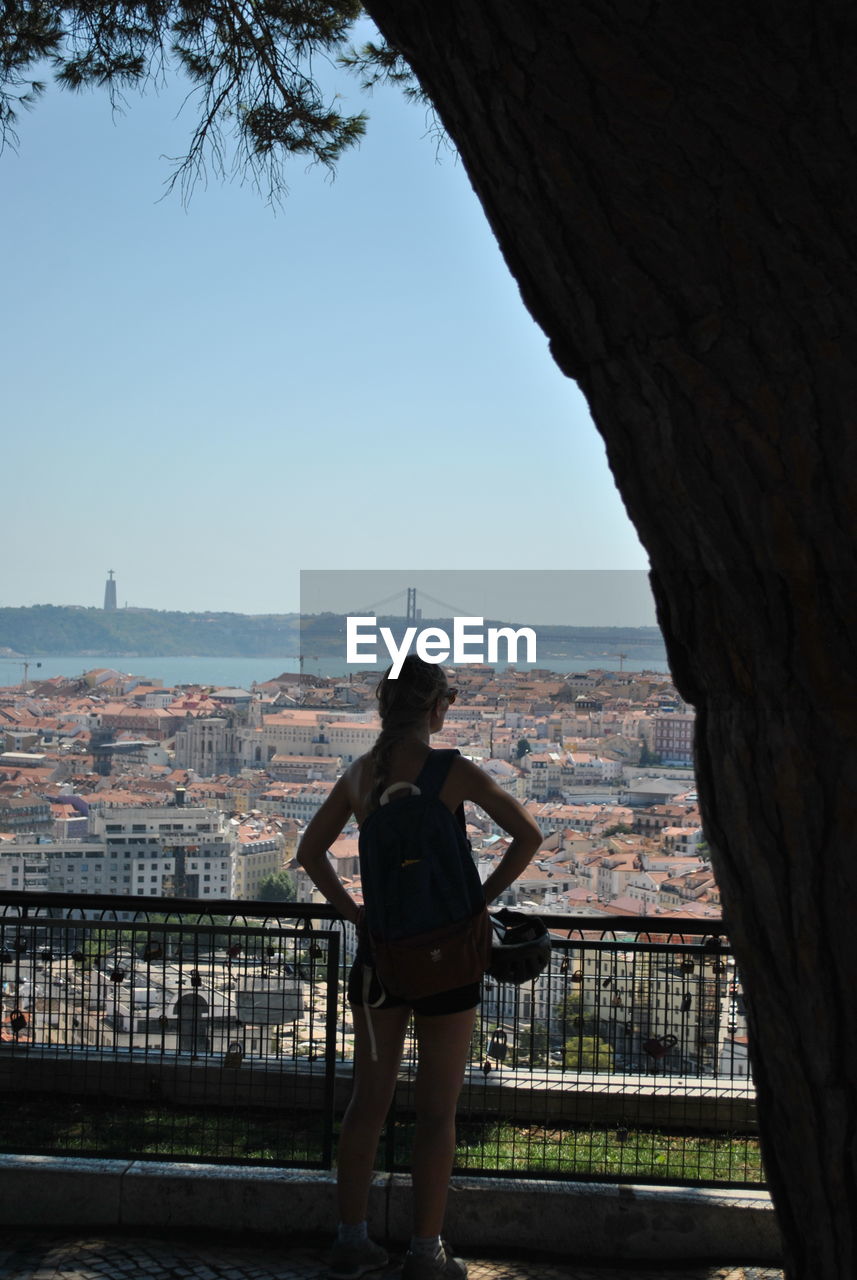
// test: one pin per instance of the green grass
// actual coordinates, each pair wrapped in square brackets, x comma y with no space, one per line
[609,1153]
[60,1126]
[493,1147]
[38,1124]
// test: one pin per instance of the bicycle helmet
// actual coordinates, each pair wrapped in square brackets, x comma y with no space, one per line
[521,947]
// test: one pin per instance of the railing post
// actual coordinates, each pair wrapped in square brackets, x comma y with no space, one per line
[331,1018]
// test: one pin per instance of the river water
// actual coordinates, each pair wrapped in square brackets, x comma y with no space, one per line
[240,673]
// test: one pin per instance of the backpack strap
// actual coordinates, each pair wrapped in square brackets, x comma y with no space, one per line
[432,776]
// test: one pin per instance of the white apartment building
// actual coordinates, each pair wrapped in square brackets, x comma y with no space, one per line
[583,766]
[164,850]
[57,866]
[349,738]
[159,851]
[317,733]
[298,800]
[23,866]
[256,857]
[545,774]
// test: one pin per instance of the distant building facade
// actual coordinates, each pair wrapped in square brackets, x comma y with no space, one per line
[152,851]
[673,737]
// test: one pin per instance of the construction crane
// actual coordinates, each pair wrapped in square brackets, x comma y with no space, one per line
[24,664]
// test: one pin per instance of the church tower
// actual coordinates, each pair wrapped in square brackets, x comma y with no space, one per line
[110,591]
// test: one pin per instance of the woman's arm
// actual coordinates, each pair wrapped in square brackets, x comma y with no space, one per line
[509,814]
[325,825]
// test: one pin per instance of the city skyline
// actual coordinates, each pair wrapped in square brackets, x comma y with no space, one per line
[580,597]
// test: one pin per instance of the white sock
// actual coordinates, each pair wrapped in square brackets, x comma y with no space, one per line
[425,1246]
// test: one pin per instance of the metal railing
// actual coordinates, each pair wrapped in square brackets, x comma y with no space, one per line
[626,1061]
[219,1031]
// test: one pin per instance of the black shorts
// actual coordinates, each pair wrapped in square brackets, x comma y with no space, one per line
[453,1001]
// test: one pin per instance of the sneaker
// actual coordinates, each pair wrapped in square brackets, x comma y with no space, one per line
[348,1261]
[419,1267]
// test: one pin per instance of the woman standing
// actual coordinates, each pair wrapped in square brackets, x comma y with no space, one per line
[412,708]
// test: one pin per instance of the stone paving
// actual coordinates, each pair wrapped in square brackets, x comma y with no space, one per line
[29,1255]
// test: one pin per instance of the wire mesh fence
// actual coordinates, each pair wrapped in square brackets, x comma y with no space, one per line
[180,1034]
[171,1029]
[627,1060]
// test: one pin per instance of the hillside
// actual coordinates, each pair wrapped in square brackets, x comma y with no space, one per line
[68,630]
[71,630]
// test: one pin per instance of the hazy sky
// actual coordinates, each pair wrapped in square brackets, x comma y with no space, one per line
[209,400]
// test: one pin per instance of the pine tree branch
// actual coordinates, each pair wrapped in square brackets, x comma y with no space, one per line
[250,63]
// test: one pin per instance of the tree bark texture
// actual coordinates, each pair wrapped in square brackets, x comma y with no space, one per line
[674,189]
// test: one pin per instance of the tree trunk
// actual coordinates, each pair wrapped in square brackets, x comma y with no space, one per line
[673,188]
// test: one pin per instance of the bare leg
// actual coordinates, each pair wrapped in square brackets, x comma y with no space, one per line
[444,1047]
[374,1084]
